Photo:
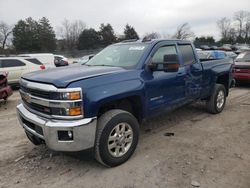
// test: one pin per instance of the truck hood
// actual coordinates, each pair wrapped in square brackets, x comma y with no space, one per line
[63,76]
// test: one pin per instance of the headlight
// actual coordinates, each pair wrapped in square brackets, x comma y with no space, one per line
[72,111]
[70,103]
[74,95]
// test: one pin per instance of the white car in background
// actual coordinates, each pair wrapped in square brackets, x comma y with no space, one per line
[17,66]
[84,59]
[60,61]
[47,59]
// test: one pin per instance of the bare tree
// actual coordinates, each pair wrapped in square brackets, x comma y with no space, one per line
[242,17]
[183,32]
[5,31]
[247,27]
[70,32]
[224,24]
[153,35]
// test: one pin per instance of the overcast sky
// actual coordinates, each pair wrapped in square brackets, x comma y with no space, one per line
[145,16]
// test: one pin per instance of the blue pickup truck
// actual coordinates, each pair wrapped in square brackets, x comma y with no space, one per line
[101,104]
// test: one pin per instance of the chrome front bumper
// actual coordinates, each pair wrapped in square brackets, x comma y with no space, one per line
[83,130]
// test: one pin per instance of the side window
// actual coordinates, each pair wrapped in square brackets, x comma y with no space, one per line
[34,60]
[57,58]
[1,64]
[165,50]
[12,63]
[187,53]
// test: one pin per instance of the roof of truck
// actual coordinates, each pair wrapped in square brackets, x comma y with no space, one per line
[151,41]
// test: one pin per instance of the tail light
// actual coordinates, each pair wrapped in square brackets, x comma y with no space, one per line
[42,67]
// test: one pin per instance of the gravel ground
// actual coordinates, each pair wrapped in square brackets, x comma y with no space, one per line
[205,151]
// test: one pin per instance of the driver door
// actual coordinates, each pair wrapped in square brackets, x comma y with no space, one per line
[164,90]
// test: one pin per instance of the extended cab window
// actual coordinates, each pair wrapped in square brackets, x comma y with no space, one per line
[165,50]
[11,63]
[187,53]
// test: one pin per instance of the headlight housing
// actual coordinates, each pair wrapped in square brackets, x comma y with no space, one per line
[70,103]
[71,111]
[72,95]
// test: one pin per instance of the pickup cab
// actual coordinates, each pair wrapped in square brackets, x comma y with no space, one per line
[101,104]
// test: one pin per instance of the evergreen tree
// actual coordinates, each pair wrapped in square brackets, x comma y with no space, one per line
[89,39]
[107,34]
[47,37]
[130,33]
[32,36]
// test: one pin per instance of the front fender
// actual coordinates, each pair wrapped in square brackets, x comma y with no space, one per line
[98,96]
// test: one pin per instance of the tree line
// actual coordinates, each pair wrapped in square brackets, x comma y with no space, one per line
[31,35]
[235,29]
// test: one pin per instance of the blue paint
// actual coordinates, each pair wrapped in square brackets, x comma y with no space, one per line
[158,91]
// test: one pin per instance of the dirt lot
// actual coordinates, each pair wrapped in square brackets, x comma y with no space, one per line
[213,150]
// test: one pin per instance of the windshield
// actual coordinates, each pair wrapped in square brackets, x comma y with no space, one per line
[125,55]
[243,57]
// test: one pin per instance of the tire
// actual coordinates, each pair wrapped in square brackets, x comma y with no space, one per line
[116,137]
[216,102]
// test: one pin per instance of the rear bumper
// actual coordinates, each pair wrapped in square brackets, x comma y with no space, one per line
[48,130]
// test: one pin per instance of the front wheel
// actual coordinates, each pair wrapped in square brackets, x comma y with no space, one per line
[116,138]
[215,104]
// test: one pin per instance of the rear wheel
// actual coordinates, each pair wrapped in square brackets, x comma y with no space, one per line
[117,137]
[217,101]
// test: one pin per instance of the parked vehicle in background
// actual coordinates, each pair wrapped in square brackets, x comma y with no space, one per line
[47,59]
[35,61]
[84,59]
[17,66]
[60,61]
[231,54]
[226,47]
[204,47]
[5,90]
[241,71]
[100,104]
[211,54]
[214,48]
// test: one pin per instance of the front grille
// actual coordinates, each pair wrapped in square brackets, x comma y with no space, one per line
[39,108]
[37,93]
[32,126]
[44,100]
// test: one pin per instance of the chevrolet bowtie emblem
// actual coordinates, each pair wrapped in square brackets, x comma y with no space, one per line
[27,97]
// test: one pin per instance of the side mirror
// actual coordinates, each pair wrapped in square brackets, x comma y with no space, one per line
[170,64]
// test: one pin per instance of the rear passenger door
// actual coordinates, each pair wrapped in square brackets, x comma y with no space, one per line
[193,68]
[14,68]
